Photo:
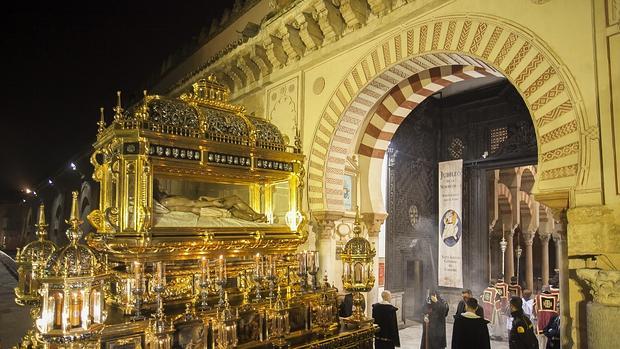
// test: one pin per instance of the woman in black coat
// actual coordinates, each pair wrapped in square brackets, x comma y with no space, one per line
[434,327]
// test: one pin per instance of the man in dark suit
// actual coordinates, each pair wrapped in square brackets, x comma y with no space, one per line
[460,308]
[384,314]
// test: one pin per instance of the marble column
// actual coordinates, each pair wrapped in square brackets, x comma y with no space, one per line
[544,239]
[510,259]
[327,250]
[557,239]
[373,222]
[529,259]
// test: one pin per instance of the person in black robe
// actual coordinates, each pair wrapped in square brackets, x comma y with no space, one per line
[470,330]
[384,314]
[552,332]
[434,327]
[460,308]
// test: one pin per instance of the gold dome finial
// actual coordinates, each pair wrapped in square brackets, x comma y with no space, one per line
[74,232]
[41,226]
[101,122]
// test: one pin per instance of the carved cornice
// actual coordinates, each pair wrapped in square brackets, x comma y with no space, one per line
[604,285]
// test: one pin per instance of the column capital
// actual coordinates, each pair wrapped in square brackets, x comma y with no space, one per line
[528,237]
[326,222]
[604,285]
[373,222]
[544,237]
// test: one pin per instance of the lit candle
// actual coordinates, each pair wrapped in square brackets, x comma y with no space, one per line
[257,265]
[159,267]
[271,261]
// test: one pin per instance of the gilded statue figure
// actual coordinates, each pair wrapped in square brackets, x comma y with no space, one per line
[233,204]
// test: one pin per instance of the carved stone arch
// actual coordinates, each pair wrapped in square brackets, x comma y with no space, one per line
[529,207]
[478,44]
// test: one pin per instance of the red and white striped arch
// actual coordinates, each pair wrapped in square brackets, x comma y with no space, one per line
[405,97]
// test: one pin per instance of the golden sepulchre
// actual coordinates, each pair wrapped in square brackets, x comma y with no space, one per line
[195,239]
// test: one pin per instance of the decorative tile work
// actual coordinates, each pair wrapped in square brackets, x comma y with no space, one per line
[518,57]
[559,132]
[449,35]
[554,113]
[544,77]
[531,66]
[410,34]
[398,48]
[492,41]
[436,34]
[463,36]
[560,172]
[475,43]
[561,152]
[510,41]
[422,43]
[386,53]
[548,96]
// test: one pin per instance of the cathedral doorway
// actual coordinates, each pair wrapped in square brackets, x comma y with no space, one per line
[485,123]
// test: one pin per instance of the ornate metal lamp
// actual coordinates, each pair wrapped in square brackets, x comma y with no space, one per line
[205,284]
[72,291]
[502,245]
[31,262]
[312,262]
[357,260]
[519,251]
[258,276]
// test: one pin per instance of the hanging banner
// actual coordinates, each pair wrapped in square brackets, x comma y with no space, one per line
[450,224]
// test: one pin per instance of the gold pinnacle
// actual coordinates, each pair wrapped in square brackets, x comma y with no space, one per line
[41,226]
[101,122]
[74,219]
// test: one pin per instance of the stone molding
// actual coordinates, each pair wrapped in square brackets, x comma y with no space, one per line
[373,222]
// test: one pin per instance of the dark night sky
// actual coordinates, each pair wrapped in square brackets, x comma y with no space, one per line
[62,61]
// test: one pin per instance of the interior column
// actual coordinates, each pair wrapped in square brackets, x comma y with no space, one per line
[529,259]
[544,239]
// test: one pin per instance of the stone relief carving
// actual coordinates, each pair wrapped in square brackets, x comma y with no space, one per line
[604,285]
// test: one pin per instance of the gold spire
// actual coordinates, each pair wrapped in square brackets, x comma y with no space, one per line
[41,226]
[357,229]
[74,233]
[118,110]
[143,112]
[101,122]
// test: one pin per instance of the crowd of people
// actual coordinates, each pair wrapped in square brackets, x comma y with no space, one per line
[505,311]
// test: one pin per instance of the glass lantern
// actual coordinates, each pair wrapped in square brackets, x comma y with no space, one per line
[358,276]
[226,327]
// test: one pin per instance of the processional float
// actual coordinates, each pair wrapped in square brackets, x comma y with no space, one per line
[195,240]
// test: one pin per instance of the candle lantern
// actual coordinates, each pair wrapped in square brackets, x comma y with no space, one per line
[278,322]
[205,284]
[226,327]
[258,276]
[72,291]
[271,275]
[160,334]
[221,279]
[31,263]
[357,259]
[312,262]
[302,269]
